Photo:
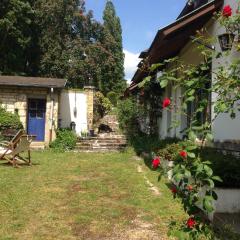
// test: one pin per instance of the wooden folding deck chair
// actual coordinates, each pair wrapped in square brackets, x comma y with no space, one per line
[12,154]
[14,140]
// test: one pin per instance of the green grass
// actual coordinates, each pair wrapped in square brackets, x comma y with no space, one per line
[82,196]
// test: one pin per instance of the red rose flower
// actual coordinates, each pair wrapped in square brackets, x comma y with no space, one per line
[227,11]
[191,223]
[183,154]
[189,187]
[166,102]
[156,162]
[174,190]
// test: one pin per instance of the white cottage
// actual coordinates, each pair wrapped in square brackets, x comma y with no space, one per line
[176,40]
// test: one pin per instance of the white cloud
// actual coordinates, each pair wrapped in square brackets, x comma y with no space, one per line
[130,64]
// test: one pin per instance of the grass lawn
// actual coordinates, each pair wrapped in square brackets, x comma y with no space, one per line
[84,196]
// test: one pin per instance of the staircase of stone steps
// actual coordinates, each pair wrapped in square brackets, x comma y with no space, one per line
[102,143]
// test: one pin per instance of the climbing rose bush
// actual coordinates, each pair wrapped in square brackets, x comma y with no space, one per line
[174,189]
[227,11]
[156,162]
[166,102]
[183,154]
[191,223]
[192,176]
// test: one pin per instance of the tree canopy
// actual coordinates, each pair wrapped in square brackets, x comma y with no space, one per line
[59,38]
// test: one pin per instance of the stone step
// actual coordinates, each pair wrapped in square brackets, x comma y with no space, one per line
[101,147]
[99,150]
[37,145]
[103,140]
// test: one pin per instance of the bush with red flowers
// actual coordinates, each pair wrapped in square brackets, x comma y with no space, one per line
[156,162]
[166,103]
[191,223]
[191,171]
[230,21]
[183,154]
[227,11]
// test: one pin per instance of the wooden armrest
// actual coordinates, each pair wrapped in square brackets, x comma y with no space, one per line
[32,136]
[5,144]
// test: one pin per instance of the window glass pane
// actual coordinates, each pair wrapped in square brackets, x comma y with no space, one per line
[32,113]
[41,104]
[40,114]
[32,104]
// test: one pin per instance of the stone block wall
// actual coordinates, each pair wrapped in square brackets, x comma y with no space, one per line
[16,99]
[89,90]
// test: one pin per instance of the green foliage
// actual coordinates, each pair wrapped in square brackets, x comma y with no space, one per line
[170,152]
[226,166]
[9,121]
[128,117]
[113,76]
[66,140]
[113,97]
[193,174]
[143,143]
[181,232]
[16,18]
[102,106]
[33,41]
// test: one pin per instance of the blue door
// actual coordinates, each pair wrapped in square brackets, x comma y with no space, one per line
[36,118]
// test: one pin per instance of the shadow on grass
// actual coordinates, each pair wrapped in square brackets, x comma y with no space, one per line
[9,165]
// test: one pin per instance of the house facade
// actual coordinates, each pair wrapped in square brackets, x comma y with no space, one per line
[176,40]
[44,105]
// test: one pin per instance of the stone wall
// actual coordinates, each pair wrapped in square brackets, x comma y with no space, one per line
[89,90]
[14,99]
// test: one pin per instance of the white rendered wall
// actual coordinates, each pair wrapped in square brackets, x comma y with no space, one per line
[68,100]
[224,128]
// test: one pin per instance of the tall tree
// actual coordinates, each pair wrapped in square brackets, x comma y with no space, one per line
[113,77]
[16,18]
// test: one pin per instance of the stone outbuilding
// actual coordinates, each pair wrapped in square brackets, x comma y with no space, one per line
[43,105]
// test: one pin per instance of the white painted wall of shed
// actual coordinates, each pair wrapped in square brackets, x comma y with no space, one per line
[68,100]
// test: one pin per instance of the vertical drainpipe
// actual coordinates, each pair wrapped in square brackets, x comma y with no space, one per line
[51,115]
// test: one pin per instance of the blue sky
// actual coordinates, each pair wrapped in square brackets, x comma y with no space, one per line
[140,21]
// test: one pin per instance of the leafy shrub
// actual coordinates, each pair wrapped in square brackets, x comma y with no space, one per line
[170,148]
[227,167]
[102,106]
[144,143]
[113,97]
[128,116]
[66,140]
[9,120]
[170,152]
